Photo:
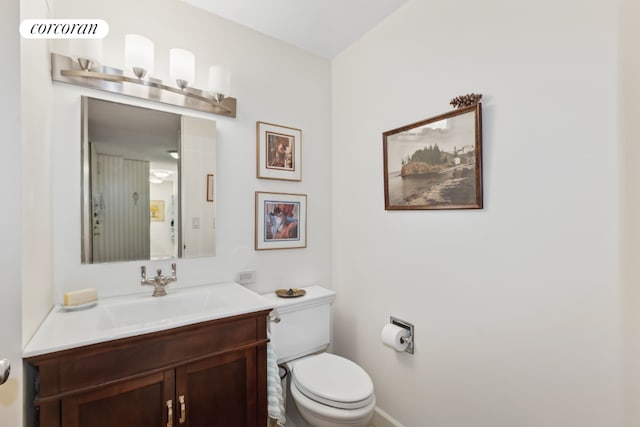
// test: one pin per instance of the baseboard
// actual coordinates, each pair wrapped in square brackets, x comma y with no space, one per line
[382,419]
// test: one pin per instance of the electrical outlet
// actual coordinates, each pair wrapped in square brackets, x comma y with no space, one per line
[247,277]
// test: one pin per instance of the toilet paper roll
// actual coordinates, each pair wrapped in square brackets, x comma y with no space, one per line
[392,336]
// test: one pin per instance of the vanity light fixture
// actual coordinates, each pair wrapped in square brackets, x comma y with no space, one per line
[161,173]
[182,67]
[138,55]
[84,69]
[88,52]
[219,82]
[174,154]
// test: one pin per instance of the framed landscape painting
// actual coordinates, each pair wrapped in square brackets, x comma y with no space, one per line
[281,221]
[435,163]
[279,152]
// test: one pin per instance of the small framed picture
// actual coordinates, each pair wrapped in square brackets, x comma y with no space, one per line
[435,163]
[279,152]
[210,188]
[281,221]
[156,210]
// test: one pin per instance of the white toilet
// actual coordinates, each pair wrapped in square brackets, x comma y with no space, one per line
[329,390]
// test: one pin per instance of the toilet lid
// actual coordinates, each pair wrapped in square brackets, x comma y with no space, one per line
[334,381]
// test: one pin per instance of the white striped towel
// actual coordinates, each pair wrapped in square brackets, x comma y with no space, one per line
[275,400]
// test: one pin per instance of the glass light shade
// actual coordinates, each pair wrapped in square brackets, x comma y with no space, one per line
[138,53]
[182,65]
[219,80]
[90,49]
[161,173]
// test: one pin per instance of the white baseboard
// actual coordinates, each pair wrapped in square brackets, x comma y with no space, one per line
[382,419]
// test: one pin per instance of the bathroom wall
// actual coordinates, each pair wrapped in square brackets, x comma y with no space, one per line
[516,306]
[37,232]
[272,81]
[198,148]
[630,108]
[10,254]
[161,235]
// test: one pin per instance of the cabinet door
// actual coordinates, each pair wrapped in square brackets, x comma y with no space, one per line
[134,403]
[218,392]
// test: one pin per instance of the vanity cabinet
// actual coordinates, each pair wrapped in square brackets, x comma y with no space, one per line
[135,402]
[204,375]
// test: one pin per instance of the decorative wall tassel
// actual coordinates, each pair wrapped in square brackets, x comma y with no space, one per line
[466,100]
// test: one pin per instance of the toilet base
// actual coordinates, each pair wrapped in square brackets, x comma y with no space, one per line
[319,415]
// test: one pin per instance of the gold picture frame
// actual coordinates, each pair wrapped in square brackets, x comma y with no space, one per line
[281,221]
[156,210]
[278,152]
[435,163]
[210,187]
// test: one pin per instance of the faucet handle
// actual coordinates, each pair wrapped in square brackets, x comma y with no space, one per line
[143,272]
[159,272]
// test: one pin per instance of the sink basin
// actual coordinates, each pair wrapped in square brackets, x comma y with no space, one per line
[148,310]
[153,309]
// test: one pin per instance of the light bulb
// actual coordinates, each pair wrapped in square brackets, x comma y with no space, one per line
[219,82]
[161,173]
[182,67]
[138,54]
[87,51]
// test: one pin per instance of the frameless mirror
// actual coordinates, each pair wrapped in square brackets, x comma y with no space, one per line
[147,183]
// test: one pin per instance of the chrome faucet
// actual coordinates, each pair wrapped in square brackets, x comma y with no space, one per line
[159,282]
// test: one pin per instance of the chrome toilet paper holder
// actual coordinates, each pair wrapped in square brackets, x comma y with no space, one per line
[408,326]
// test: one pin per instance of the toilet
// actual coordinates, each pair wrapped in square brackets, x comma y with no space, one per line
[328,390]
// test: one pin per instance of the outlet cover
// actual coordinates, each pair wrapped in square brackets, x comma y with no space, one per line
[247,277]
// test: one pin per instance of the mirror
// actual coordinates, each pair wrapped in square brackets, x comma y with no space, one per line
[148,183]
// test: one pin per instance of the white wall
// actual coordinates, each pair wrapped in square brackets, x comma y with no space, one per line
[272,81]
[516,306]
[10,254]
[198,156]
[37,271]
[161,242]
[630,111]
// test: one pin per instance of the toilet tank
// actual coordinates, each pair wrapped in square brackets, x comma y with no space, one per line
[305,323]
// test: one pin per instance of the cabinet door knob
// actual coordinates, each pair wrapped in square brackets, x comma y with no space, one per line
[183,410]
[169,413]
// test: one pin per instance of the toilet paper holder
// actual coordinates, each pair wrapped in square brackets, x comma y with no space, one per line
[408,326]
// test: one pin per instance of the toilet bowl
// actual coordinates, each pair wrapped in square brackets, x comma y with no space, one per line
[331,391]
[328,390]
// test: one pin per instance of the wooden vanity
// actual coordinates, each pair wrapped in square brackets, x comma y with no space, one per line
[205,374]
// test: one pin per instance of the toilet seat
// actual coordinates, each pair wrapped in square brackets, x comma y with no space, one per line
[333,381]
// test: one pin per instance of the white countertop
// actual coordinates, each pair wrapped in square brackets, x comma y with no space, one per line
[127,316]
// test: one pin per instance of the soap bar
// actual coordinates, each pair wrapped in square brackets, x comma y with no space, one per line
[82,296]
